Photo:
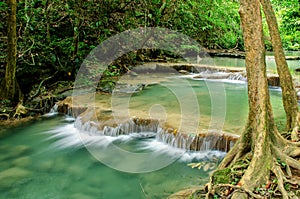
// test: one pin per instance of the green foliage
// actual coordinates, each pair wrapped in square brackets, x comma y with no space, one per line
[56,35]
[222,176]
[288,14]
[282,164]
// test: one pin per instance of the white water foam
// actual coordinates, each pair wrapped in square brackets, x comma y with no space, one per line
[69,137]
[181,154]
[234,79]
[52,112]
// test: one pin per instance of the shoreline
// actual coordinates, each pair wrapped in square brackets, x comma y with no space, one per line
[181,68]
[241,54]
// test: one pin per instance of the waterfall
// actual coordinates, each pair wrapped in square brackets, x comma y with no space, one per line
[54,109]
[176,140]
[237,76]
[213,141]
[147,128]
[144,127]
[201,142]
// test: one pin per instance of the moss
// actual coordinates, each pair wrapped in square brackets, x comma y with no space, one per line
[222,176]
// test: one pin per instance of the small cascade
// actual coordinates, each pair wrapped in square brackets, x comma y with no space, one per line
[201,142]
[213,141]
[147,127]
[174,139]
[237,76]
[53,110]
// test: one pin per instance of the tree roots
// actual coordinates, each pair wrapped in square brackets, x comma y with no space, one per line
[283,176]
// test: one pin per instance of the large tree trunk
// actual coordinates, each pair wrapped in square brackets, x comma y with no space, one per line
[9,86]
[258,97]
[289,95]
[260,145]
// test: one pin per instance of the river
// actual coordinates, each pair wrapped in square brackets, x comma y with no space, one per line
[45,158]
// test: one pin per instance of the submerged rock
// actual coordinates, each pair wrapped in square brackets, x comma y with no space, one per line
[11,152]
[12,176]
[22,161]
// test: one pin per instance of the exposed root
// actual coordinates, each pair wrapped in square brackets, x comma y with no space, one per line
[290,161]
[229,191]
[4,115]
[233,155]
[40,85]
[282,142]
[230,156]
[279,175]
[284,181]
[288,171]
[294,153]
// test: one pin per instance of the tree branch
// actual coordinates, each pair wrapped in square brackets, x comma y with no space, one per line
[38,90]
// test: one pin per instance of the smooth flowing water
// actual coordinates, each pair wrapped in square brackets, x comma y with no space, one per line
[46,158]
[222,104]
[37,163]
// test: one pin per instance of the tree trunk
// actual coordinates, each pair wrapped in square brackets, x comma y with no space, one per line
[260,145]
[258,95]
[289,95]
[9,86]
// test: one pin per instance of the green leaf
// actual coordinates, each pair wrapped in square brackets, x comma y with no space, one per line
[138,14]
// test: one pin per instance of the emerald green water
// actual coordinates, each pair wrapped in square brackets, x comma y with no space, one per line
[45,159]
[230,103]
[33,166]
[237,62]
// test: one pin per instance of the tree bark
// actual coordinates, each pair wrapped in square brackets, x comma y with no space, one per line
[9,86]
[260,145]
[289,95]
[258,95]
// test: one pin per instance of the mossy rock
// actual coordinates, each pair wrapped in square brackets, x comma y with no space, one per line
[222,176]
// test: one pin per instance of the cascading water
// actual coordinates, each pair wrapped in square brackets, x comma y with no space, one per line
[53,111]
[176,140]
[237,76]
[147,128]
